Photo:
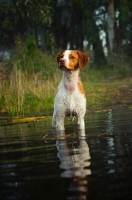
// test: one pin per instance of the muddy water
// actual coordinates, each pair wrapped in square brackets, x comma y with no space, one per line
[38,165]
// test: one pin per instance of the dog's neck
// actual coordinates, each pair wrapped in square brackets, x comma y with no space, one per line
[70,79]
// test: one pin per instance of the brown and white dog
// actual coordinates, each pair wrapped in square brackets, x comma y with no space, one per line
[70,97]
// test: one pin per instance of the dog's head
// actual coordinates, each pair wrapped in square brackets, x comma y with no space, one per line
[72,60]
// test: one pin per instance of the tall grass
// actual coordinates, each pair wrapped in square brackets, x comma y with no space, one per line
[32,83]
[34,77]
[27,93]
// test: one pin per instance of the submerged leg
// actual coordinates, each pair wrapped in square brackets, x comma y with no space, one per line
[81,124]
[61,122]
[54,121]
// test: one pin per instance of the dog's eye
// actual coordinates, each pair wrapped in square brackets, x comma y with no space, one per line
[61,56]
[72,57]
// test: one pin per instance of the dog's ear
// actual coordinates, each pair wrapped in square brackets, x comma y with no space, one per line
[83,59]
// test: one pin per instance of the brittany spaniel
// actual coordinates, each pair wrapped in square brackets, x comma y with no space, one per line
[70,97]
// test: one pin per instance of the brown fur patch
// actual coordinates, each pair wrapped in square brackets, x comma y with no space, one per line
[81,88]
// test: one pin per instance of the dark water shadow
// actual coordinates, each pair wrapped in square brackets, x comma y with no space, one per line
[36,163]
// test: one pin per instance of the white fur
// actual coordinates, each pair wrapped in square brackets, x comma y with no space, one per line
[69,99]
[66,57]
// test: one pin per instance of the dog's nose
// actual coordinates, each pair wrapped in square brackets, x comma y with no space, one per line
[62,61]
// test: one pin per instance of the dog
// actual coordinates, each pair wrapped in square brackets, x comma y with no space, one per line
[70,97]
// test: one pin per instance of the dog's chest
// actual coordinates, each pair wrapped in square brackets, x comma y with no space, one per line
[70,101]
[70,83]
[69,97]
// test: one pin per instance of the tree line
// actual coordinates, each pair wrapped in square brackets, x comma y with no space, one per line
[101,26]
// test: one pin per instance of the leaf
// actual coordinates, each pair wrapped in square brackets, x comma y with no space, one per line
[26,2]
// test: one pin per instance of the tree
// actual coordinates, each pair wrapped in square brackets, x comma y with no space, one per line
[110,25]
[23,17]
[65,23]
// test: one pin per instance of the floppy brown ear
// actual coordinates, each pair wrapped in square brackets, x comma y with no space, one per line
[83,59]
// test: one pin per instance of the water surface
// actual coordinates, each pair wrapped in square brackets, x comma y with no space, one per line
[37,164]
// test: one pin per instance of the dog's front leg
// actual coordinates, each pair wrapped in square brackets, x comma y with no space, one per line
[81,123]
[60,122]
[54,120]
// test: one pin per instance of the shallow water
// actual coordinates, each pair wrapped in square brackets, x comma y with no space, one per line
[36,164]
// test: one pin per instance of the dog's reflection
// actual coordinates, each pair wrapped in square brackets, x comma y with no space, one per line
[75,160]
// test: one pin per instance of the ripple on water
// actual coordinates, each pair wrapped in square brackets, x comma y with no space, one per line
[34,164]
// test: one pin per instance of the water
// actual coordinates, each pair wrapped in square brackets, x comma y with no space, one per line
[37,164]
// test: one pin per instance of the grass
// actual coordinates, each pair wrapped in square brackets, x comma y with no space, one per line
[31,85]
[109,91]
[27,93]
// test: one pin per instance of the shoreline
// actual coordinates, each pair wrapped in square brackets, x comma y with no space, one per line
[6,119]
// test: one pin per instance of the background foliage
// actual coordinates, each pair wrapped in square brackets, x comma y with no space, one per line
[56,24]
[33,32]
